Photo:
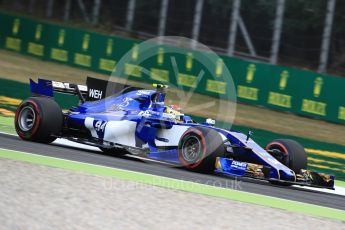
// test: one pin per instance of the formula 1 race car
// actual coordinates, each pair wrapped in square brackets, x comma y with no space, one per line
[137,121]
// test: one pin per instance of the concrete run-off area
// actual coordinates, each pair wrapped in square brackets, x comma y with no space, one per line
[35,196]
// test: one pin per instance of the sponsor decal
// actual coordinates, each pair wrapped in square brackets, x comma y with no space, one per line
[133,70]
[95,93]
[283,79]
[169,116]
[13,43]
[250,73]
[109,49]
[61,37]
[248,93]
[125,101]
[189,61]
[100,126]
[160,56]
[38,32]
[148,113]
[135,52]
[216,86]
[115,108]
[106,64]
[143,92]
[59,54]
[35,49]
[82,59]
[341,113]
[314,107]
[279,99]
[159,74]
[219,67]
[144,113]
[187,80]
[97,127]
[317,86]
[120,107]
[15,26]
[86,42]
[239,165]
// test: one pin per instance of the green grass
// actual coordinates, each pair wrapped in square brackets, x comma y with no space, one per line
[186,186]
[340,183]
[7,125]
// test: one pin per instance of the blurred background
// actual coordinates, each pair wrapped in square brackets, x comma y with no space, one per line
[308,34]
[286,58]
[287,65]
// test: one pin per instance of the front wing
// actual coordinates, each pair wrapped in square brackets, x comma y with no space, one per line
[304,178]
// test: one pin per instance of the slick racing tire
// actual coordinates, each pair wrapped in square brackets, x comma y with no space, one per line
[198,149]
[294,155]
[38,119]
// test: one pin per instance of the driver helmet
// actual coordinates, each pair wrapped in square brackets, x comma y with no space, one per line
[175,110]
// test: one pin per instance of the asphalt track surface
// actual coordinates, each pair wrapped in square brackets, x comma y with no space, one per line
[161,169]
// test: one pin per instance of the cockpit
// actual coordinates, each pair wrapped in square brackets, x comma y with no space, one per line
[174,111]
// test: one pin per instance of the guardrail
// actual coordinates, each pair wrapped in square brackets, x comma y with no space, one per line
[282,88]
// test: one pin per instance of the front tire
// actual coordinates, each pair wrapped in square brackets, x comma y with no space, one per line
[198,149]
[295,157]
[38,119]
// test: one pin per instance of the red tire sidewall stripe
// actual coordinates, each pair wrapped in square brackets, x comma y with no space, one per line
[32,132]
[203,142]
[280,146]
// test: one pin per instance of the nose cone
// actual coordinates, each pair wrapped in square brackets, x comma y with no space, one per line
[287,174]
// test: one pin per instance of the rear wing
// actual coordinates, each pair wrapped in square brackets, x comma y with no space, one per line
[47,88]
[68,88]
[95,89]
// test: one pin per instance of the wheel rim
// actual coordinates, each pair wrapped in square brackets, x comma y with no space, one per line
[283,159]
[26,118]
[191,149]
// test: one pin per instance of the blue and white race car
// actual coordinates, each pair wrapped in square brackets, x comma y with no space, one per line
[137,121]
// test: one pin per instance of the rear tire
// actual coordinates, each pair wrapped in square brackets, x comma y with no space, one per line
[296,157]
[38,119]
[199,148]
